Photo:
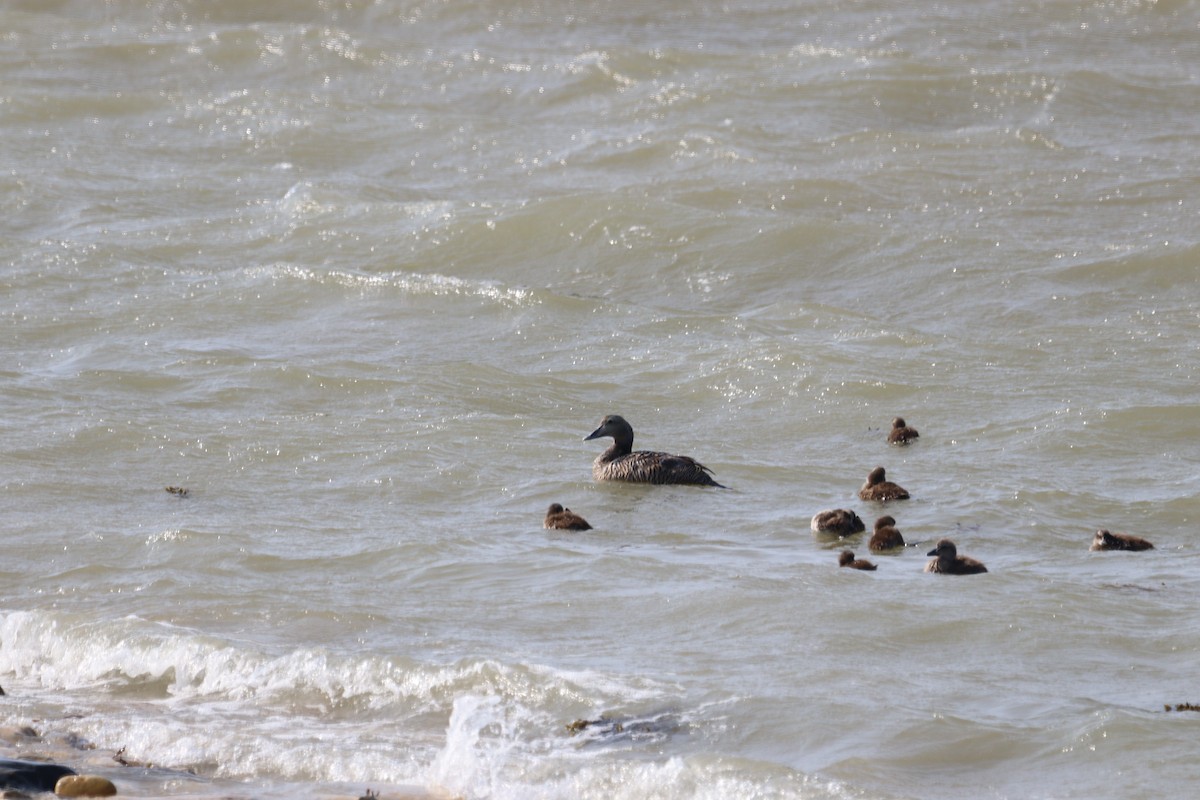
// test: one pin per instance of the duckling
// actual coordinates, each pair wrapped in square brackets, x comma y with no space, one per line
[879,488]
[1105,540]
[837,521]
[564,519]
[886,537]
[901,433]
[949,562]
[847,559]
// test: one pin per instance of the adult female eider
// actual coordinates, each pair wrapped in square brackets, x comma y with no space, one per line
[565,519]
[949,562]
[837,521]
[847,559]
[879,488]
[1106,540]
[901,433]
[622,463]
[886,537]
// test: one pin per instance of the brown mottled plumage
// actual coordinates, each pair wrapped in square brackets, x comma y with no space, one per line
[1106,540]
[901,433]
[565,519]
[886,536]
[949,562]
[847,559]
[879,488]
[837,521]
[621,463]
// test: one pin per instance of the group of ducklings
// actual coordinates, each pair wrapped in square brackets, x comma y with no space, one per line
[620,462]
[886,537]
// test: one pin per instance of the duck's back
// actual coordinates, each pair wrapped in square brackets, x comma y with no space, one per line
[962,565]
[649,466]
[901,433]
[1119,541]
[884,539]
[883,492]
[838,521]
[565,519]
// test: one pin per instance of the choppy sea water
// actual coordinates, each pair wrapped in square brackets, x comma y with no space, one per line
[361,277]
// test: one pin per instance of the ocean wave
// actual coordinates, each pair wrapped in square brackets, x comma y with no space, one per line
[410,283]
[475,727]
[61,652]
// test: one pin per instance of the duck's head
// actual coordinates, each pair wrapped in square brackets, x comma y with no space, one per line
[613,425]
[944,549]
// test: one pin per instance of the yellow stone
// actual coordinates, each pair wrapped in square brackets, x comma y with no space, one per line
[84,786]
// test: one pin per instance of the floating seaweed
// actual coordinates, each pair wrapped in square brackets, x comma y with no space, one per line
[120,758]
[607,728]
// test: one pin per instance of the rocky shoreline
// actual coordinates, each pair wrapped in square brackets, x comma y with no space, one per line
[34,765]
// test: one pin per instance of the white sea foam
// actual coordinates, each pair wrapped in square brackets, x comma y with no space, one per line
[411,283]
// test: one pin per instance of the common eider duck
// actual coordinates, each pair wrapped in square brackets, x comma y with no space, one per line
[949,562]
[901,433]
[847,559]
[886,537]
[1106,540]
[837,521]
[621,462]
[879,488]
[565,519]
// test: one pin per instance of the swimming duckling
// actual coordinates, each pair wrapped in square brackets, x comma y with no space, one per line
[837,521]
[1105,540]
[565,519]
[621,463]
[949,562]
[879,488]
[847,559]
[886,536]
[901,433]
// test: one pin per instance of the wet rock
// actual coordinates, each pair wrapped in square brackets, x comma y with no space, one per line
[14,735]
[84,786]
[31,776]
